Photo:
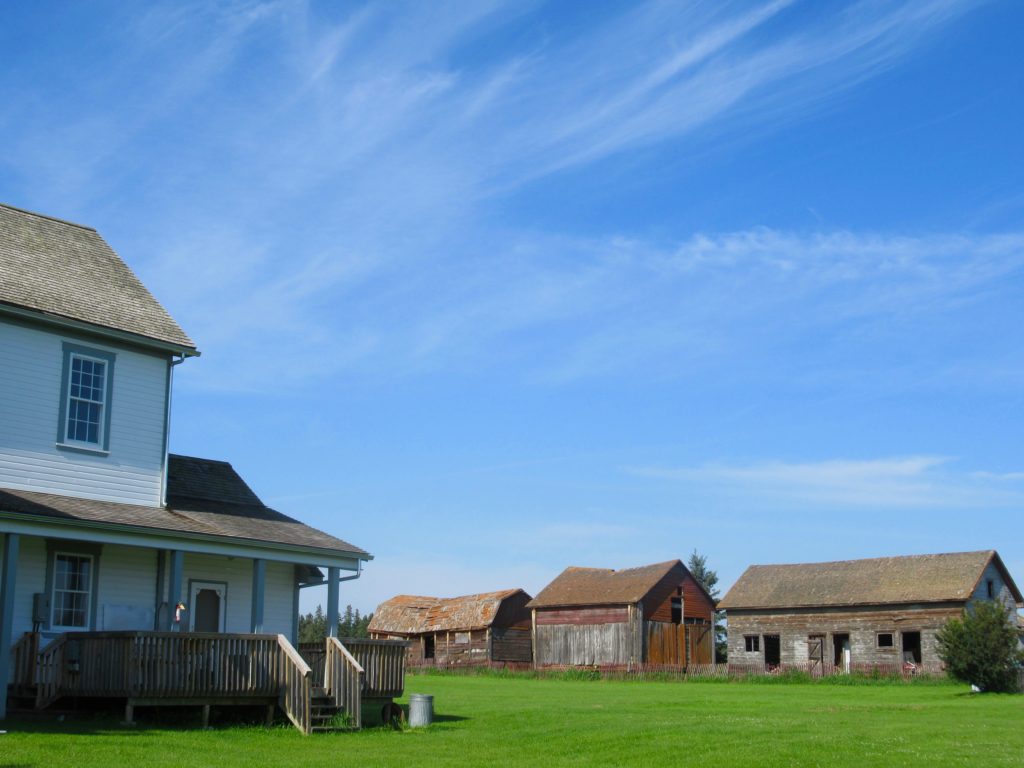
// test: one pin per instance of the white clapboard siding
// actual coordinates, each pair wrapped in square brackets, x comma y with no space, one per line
[31,578]
[31,363]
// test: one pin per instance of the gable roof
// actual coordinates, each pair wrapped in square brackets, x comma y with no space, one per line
[67,270]
[603,586]
[205,497]
[413,614]
[950,577]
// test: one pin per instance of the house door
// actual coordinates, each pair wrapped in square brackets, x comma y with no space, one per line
[815,653]
[208,603]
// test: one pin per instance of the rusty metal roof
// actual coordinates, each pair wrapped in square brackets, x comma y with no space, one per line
[603,586]
[950,577]
[414,614]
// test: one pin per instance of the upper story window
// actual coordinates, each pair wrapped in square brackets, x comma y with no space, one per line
[86,390]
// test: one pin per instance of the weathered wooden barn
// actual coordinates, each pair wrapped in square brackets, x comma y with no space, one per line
[656,614]
[472,629]
[857,614]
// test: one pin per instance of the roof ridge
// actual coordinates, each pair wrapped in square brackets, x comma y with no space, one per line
[45,216]
[200,458]
[869,559]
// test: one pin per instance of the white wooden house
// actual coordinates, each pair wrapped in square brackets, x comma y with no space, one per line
[106,536]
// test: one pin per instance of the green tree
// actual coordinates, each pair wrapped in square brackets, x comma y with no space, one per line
[982,647]
[707,578]
[313,626]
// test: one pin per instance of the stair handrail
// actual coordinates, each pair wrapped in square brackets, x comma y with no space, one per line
[296,679]
[343,681]
[50,671]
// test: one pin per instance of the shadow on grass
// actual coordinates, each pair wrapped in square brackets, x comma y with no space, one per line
[449,718]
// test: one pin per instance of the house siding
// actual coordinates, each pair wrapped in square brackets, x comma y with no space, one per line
[236,572]
[30,379]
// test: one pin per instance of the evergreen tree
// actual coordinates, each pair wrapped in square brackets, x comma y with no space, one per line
[313,626]
[707,578]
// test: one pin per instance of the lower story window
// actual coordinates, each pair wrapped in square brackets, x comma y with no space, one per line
[885,640]
[752,643]
[72,590]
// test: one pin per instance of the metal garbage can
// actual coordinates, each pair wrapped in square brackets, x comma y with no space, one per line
[421,710]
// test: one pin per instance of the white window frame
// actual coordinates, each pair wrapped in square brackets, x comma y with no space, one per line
[89,594]
[103,404]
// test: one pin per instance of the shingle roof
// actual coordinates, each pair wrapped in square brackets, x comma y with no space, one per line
[204,497]
[68,270]
[602,586]
[413,614]
[877,581]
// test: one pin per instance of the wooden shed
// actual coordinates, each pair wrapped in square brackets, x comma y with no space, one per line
[472,629]
[857,614]
[655,614]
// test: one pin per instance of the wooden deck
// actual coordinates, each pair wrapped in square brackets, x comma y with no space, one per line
[153,668]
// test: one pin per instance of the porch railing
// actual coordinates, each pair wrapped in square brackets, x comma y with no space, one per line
[384,662]
[23,662]
[343,680]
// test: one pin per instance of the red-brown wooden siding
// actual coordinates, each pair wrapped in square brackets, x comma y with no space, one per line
[695,603]
[598,614]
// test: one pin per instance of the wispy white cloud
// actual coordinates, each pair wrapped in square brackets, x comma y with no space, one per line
[904,482]
[323,181]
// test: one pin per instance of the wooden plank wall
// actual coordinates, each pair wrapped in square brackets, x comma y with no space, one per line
[861,624]
[678,644]
[511,645]
[583,644]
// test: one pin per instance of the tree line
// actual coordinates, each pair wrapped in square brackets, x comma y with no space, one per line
[313,626]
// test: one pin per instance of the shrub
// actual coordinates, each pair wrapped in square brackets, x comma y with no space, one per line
[982,648]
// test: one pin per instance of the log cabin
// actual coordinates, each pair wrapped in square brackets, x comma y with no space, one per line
[490,628]
[126,571]
[878,613]
[652,615]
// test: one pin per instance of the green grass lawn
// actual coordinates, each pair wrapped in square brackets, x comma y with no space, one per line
[490,720]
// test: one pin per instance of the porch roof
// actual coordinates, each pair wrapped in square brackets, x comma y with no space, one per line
[205,497]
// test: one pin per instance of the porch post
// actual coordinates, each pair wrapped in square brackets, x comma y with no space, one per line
[174,592]
[259,578]
[162,604]
[333,574]
[11,545]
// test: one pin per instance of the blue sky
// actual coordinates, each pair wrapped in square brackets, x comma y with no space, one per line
[492,288]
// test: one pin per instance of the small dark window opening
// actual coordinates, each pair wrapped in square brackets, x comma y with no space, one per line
[677,610]
[752,643]
[772,650]
[885,640]
[991,589]
[428,647]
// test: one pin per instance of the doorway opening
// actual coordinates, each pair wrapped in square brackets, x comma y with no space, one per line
[841,652]
[911,647]
[428,647]
[772,651]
